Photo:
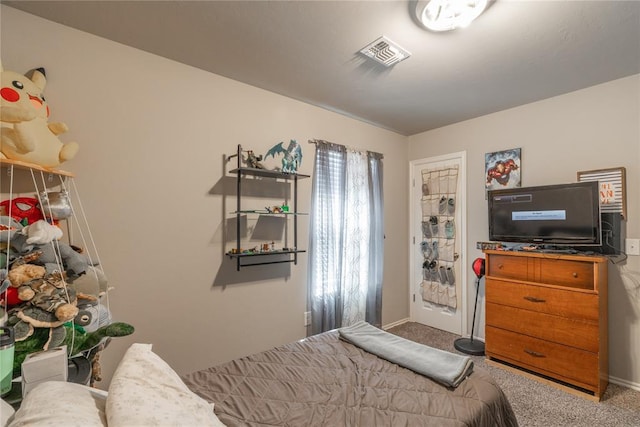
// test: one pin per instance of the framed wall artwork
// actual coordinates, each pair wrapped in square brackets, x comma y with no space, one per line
[503,169]
[613,188]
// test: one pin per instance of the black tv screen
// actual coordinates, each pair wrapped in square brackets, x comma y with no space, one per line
[566,214]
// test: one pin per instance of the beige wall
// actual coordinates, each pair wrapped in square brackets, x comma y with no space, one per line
[150,172]
[594,128]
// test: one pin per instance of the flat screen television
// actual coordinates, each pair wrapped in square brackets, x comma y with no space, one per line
[565,214]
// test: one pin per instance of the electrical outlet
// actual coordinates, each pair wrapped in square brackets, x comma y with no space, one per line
[307,318]
[632,246]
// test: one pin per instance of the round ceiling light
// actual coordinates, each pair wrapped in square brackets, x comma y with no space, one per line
[445,15]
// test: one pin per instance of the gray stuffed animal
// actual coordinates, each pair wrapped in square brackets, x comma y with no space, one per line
[74,264]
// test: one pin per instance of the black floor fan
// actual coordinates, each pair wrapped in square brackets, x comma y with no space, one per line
[469,345]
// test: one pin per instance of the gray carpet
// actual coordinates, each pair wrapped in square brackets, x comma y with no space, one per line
[538,404]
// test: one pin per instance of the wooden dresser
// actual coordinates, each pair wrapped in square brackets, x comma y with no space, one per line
[547,314]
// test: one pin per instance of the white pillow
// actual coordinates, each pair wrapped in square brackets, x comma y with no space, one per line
[58,403]
[145,391]
[6,412]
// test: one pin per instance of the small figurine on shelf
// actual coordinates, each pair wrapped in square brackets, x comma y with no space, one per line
[284,207]
[253,161]
[274,209]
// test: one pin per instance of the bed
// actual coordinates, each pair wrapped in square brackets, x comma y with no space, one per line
[326,381]
[323,380]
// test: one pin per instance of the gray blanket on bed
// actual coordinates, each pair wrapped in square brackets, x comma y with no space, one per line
[447,368]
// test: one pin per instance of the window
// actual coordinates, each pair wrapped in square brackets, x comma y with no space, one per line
[346,238]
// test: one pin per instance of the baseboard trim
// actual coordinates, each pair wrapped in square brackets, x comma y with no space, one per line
[396,323]
[624,383]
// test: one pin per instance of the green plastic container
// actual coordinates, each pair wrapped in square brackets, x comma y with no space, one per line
[6,359]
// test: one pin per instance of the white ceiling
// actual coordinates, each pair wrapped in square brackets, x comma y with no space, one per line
[516,52]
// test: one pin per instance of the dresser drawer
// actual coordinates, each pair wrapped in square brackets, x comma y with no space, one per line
[574,274]
[559,302]
[562,330]
[567,362]
[509,267]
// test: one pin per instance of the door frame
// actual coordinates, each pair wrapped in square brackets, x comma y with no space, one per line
[461,231]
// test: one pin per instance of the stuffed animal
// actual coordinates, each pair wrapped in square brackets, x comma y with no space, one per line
[9,228]
[92,315]
[28,321]
[4,281]
[25,210]
[50,294]
[24,273]
[26,133]
[93,282]
[41,232]
[9,297]
[45,291]
[73,263]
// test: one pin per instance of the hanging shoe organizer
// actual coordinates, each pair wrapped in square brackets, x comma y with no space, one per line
[439,236]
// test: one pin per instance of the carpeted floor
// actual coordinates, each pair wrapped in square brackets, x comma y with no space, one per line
[538,404]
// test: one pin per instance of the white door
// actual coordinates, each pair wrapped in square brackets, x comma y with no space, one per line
[437,236]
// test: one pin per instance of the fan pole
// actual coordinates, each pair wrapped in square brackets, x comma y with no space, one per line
[468,345]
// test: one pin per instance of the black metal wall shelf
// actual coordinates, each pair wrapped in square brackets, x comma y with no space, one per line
[256,255]
[253,212]
[272,256]
[266,173]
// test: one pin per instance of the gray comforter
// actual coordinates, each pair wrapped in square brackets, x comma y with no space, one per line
[325,381]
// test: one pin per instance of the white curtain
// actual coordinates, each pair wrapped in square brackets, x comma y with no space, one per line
[346,238]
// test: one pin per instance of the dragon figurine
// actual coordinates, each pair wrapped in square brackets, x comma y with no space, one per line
[292,155]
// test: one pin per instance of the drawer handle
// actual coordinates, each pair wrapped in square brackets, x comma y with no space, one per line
[534,299]
[533,353]
[575,275]
[500,266]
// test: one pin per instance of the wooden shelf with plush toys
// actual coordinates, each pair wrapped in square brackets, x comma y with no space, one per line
[53,290]
[264,253]
[32,166]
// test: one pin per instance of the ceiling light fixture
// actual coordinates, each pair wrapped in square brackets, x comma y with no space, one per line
[445,15]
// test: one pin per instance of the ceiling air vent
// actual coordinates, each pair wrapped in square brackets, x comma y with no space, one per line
[385,52]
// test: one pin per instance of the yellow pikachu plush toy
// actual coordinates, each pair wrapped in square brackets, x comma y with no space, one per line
[26,133]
